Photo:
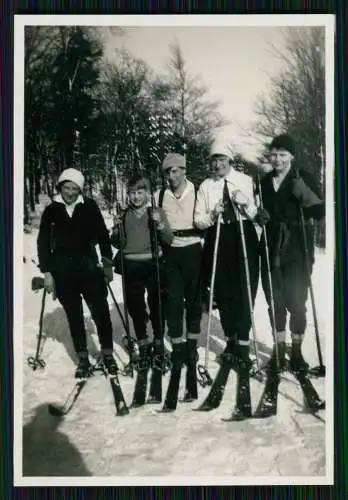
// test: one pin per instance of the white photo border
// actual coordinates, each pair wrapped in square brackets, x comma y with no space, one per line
[276,20]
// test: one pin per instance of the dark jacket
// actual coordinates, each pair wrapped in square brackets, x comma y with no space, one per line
[284,230]
[64,243]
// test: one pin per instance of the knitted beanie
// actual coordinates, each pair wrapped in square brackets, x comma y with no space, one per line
[72,175]
[283,141]
[173,160]
[221,146]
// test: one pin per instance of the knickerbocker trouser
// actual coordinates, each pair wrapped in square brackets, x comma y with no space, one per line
[183,282]
[230,281]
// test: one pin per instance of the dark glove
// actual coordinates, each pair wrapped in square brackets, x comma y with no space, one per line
[304,194]
[107,269]
[262,217]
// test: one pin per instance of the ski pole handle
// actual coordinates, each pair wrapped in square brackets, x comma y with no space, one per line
[37,283]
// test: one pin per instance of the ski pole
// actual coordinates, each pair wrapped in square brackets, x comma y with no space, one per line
[269,277]
[117,307]
[36,361]
[128,371]
[247,275]
[318,371]
[158,281]
[203,369]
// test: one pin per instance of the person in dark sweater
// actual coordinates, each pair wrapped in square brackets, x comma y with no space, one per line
[139,262]
[284,190]
[70,228]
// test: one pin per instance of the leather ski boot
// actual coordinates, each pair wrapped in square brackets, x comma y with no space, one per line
[84,368]
[228,356]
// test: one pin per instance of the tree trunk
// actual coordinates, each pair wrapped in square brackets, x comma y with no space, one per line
[37,181]
[32,192]
[26,219]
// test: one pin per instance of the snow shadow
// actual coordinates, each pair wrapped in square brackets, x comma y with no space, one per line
[117,324]
[47,451]
[217,339]
[56,327]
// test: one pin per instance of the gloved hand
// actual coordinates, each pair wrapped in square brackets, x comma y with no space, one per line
[217,210]
[117,220]
[304,194]
[50,285]
[107,269]
[157,219]
[262,217]
[239,198]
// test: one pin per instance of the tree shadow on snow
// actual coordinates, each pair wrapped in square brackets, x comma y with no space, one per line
[48,452]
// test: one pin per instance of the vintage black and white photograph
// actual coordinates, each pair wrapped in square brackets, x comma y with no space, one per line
[174,250]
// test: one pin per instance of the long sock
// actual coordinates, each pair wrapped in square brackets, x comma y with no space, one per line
[281,347]
[296,343]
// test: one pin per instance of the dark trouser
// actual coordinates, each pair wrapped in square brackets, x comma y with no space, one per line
[230,280]
[183,274]
[89,283]
[290,291]
[140,278]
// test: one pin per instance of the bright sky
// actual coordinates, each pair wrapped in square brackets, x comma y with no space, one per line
[236,63]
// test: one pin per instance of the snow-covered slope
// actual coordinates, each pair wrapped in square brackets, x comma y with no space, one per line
[92,441]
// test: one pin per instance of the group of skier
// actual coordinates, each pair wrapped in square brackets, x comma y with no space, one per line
[165,243]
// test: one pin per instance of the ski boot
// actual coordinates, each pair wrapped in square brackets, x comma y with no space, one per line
[191,392]
[110,364]
[84,368]
[271,366]
[228,356]
[142,366]
[242,409]
[158,370]
[131,347]
[297,363]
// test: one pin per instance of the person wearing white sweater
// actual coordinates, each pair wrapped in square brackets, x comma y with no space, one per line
[183,273]
[230,193]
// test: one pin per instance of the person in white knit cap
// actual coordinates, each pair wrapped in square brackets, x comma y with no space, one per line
[70,228]
[230,193]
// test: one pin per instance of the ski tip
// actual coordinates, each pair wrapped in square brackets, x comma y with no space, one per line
[122,412]
[135,404]
[319,405]
[154,400]
[55,411]
[203,408]
[166,410]
[258,415]
[234,419]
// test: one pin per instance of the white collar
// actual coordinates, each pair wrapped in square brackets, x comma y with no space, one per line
[59,199]
[189,187]
[69,208]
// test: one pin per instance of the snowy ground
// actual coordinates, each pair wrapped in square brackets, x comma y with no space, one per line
[92,441]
